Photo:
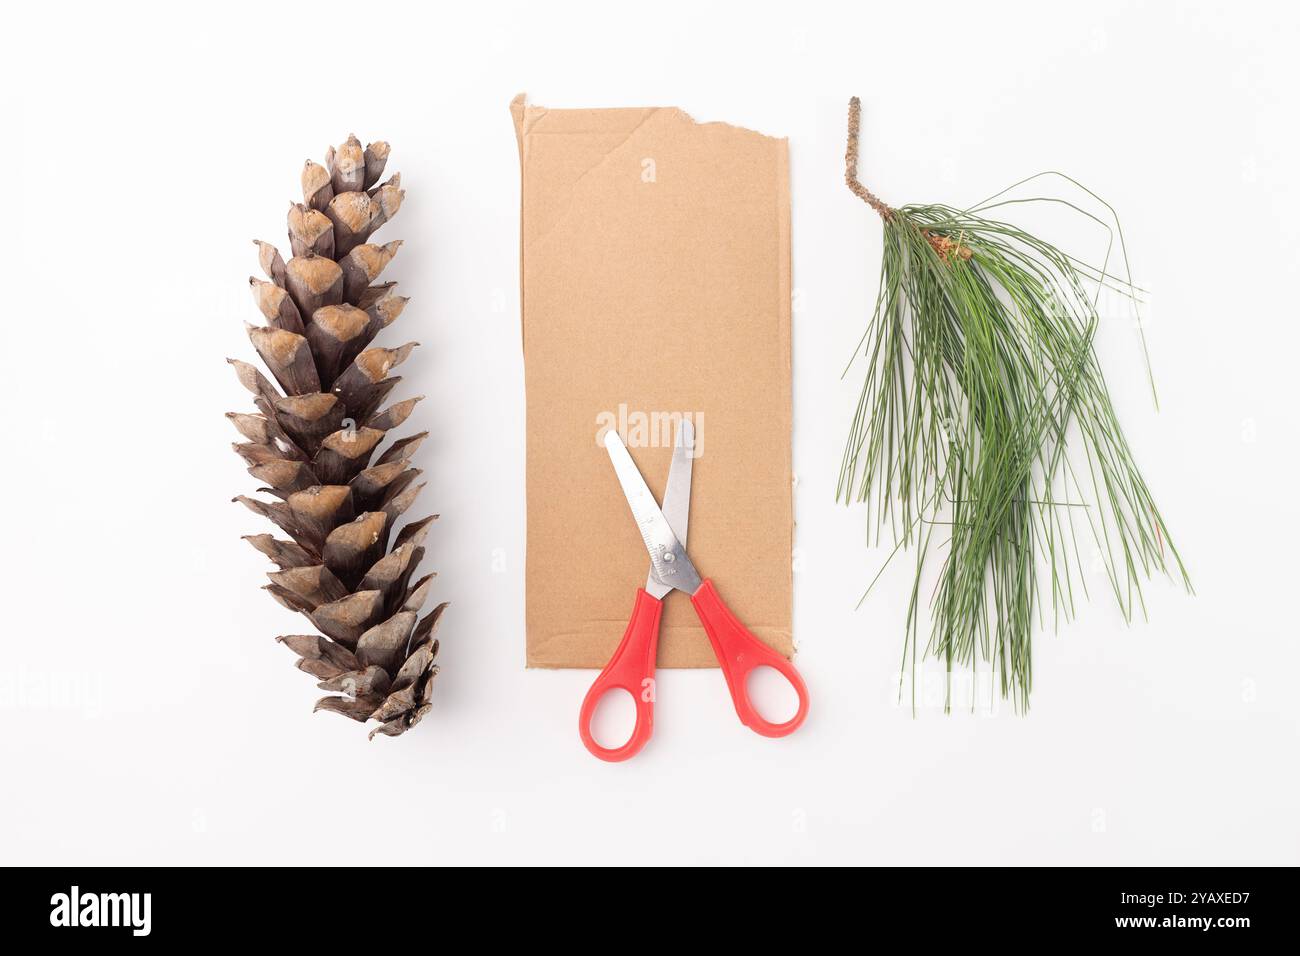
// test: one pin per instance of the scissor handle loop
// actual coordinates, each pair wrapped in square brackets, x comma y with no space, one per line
[632,668]
[739,652]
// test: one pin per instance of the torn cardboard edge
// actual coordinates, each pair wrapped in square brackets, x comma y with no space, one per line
[654,282]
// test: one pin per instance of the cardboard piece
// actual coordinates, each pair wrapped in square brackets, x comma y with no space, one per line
[655,283]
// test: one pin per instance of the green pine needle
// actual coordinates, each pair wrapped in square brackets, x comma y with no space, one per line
[985,417]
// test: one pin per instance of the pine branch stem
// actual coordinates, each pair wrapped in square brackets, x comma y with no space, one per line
[883,209]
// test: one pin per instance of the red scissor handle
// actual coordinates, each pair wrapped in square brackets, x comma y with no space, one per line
[632,668]
[739,652]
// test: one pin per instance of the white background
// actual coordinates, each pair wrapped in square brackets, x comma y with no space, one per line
[146,714]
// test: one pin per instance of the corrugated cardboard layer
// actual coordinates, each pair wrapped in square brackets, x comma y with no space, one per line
[655,279]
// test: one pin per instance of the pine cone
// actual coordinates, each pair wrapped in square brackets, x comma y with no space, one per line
[312,446]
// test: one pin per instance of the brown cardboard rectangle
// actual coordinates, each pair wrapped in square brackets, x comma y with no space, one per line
[655,279]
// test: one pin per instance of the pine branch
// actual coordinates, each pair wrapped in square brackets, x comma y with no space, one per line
[984,411]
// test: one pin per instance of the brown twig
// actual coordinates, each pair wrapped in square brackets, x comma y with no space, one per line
[885,211]
[945,246]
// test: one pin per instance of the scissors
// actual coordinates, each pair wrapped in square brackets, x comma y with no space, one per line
[632,667]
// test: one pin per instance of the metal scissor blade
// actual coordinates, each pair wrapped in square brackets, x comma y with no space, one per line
[677,496]
[669,564]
